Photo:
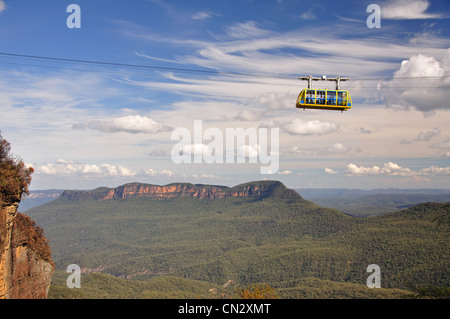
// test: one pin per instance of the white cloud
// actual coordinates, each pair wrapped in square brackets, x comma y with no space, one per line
[66,168]
[435,170]
[407,9]
[248,48]
[71,168]
[275,100]
[132,124]
[248,115]
[422,83]
[335,149]
[285,172]
[393,169]
[331,171]
[2,6]
[308,15]
[202,15]
[246,30]
[314,127]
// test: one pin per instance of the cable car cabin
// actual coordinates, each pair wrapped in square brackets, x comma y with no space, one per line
[324,99]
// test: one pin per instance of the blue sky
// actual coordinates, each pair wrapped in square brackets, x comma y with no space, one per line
[85,125]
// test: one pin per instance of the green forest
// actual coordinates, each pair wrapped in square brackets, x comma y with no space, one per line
[189,248]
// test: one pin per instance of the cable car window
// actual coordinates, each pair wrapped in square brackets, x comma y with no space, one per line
[331,97]
[342,98]
[320,97]
[310,96]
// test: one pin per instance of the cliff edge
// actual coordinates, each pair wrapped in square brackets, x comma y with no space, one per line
[26,266]
[258,189]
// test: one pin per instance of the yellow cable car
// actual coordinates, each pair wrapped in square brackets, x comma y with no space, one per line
[324,99]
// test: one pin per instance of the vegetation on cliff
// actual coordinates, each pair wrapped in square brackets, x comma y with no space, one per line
[33,237]
[26,265]
[15,177]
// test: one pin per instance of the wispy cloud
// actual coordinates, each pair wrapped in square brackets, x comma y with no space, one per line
[443,147]
[2,6]
[335,149]
[202,15]
[246,30]
[308,15]
[423,136]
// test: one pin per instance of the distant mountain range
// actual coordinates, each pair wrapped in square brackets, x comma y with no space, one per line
[355,202]
[374,202]
[258,232]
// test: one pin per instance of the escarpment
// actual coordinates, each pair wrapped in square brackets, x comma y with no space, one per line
[254,189]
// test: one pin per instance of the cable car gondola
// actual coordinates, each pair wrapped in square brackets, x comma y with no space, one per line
[324,99]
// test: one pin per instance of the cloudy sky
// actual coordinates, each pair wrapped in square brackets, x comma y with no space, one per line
[97,105]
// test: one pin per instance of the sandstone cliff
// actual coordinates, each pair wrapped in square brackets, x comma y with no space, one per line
[26,266]
[254,189]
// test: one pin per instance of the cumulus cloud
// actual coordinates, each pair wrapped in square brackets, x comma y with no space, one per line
[393,169]
[132,124]
[69,168]
[65,168]
[2,6]
[314,127]
[435,170]
[421,82]
[407,9]
[331,171]
[152,172]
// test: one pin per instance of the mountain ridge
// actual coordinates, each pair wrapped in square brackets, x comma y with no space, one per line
[257,189]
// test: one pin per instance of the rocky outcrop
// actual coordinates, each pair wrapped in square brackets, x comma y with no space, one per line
[254,189]
[26,266]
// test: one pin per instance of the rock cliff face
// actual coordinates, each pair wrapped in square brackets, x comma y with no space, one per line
[26,266]
[254,189]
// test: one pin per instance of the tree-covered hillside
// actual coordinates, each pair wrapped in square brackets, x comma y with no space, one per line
[279,240]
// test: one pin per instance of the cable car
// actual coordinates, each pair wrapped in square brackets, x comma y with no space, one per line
[324,99]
